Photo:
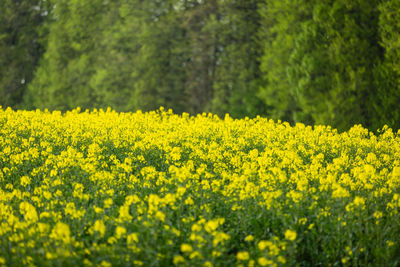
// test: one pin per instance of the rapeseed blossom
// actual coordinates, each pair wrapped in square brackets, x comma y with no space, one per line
[99,227]
[120,232]
[249,238]
[102,188]
[290,235]
[242,256]
[186,248]
[61,232]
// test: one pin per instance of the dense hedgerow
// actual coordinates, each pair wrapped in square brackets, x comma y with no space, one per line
[103,188]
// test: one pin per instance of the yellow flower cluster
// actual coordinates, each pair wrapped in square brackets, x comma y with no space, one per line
[102,188]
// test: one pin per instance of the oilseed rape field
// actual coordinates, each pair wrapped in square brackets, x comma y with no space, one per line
[102,188]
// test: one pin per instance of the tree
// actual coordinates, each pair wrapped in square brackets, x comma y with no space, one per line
[320,61]
[62,80]
[201,51]
[121,54]
[159,64]
[387,73]
[22,31]
[281,22]
[332,65]
[238,51]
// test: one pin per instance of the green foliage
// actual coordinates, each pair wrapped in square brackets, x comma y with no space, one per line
[187,55]
[237,71]
[157,67]
[388,72]
[331,62]
[63,78]
[281,22]
[22,29]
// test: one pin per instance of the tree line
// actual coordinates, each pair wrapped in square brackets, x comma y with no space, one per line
[333,62]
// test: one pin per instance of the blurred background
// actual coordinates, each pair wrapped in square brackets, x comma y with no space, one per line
[333,62]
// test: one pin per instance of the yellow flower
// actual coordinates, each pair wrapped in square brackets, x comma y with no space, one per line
[132,239]
[212,225]
[219,238]
[243,256]
[176,231]
[105,264]
[87,262]
[281,259]
[189,201]
[99,227]
[124,214]
[98,209]
[111,240]
[137,263]
[161,216]
[303,221]
[72,212]
[249,238]
[28,211]
[263,244]
[378,214]
[61,232]
[264,262]
[389,243]
[89,159]
[216,254]
[186,248]
[25,180]
[359,201]
[290,235]
[396,172]
[45,214]
[108,202]
[43,228]
[196,227]
[120,231]
[195,254]
[178,259]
